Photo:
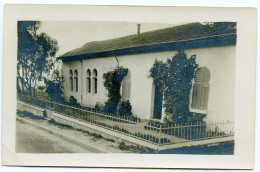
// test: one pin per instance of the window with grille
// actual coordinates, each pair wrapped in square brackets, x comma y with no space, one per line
[126,86]
[200,91]
[95,81]
[71,80]
[88,81]
[76,80]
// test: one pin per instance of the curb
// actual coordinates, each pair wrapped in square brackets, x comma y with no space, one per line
[62,136]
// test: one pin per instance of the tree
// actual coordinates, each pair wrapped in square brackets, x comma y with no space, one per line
[36,55]
[175,78]
[54,86]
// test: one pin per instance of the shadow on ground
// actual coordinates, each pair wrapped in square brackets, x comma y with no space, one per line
[225,148]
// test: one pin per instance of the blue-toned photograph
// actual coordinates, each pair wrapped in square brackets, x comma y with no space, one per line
[126,87]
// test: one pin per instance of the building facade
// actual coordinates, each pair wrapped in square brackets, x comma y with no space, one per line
[212,90]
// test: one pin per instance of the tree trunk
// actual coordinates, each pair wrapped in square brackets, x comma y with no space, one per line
[18,86]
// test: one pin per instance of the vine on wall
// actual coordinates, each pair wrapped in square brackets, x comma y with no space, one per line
[175,78]
[112,82]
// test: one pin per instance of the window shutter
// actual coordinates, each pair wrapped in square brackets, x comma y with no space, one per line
[126,86]
[206,75]
[200,91]
[198,78]
[195,96]
[204,97]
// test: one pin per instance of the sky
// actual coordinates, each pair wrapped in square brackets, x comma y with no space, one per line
[73,34]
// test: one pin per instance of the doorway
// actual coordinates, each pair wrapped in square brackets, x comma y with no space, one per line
[158,101]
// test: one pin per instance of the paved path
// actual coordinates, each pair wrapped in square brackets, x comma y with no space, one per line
[30,139]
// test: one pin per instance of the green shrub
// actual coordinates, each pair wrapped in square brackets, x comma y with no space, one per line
[174,77]
[196,117]
[123,146]
[99,106]
[112,82]
[124,108]
[54,87]
[41,87]
[73,101]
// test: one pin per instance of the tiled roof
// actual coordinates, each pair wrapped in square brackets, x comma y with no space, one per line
[176,33]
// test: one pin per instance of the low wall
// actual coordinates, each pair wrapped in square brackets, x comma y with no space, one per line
[31,109]
[104,132]
[77,124]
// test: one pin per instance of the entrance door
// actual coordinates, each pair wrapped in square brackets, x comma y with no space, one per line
[158,100]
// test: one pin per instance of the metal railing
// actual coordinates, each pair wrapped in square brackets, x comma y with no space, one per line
[159,134]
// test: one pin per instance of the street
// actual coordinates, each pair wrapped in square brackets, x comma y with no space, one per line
[30,139]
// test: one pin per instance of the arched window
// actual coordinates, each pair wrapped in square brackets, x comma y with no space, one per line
[126,86]
[71,80]
[200,92]
[76,80]
[88,81]
[95,81]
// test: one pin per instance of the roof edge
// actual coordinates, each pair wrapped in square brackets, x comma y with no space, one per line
[208,41]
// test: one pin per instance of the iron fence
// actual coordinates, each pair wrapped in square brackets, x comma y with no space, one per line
[159,134]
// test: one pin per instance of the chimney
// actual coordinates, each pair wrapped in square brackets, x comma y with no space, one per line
[138,29]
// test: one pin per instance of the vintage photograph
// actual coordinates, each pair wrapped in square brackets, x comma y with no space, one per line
[129,86]
[125,87]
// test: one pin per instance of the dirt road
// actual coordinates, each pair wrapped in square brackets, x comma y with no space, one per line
[30,139]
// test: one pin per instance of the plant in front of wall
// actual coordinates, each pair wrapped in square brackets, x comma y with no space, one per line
[175,78]
[112,82]
[73,101]
[124,108]
[99,107]
[54,86]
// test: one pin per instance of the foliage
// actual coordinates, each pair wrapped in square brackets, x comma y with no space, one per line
[112,82]
[99,106]
[175,78]
[73,101]
[41,87]
[60,125]
[124,108]
[29,115]
[123,146]
[36,55]
[54,86]
[196,117]
[220,27]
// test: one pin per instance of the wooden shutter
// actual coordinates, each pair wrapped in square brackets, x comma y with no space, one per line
[196,96]
[204,97]
[200,91]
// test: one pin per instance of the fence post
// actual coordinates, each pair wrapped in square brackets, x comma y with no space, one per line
[159,141]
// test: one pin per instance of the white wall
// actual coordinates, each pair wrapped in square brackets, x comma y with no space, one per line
[221,63]
[66,67]
[219,60]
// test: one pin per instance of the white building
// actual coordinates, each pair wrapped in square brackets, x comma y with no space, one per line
[213,86]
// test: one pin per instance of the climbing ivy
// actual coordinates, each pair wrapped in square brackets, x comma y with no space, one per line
[124,108]
[175,78]
[112,82]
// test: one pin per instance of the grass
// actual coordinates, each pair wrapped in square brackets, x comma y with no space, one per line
[65,126]
[59,124]
[110,140]
[133,148]
[29,115]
